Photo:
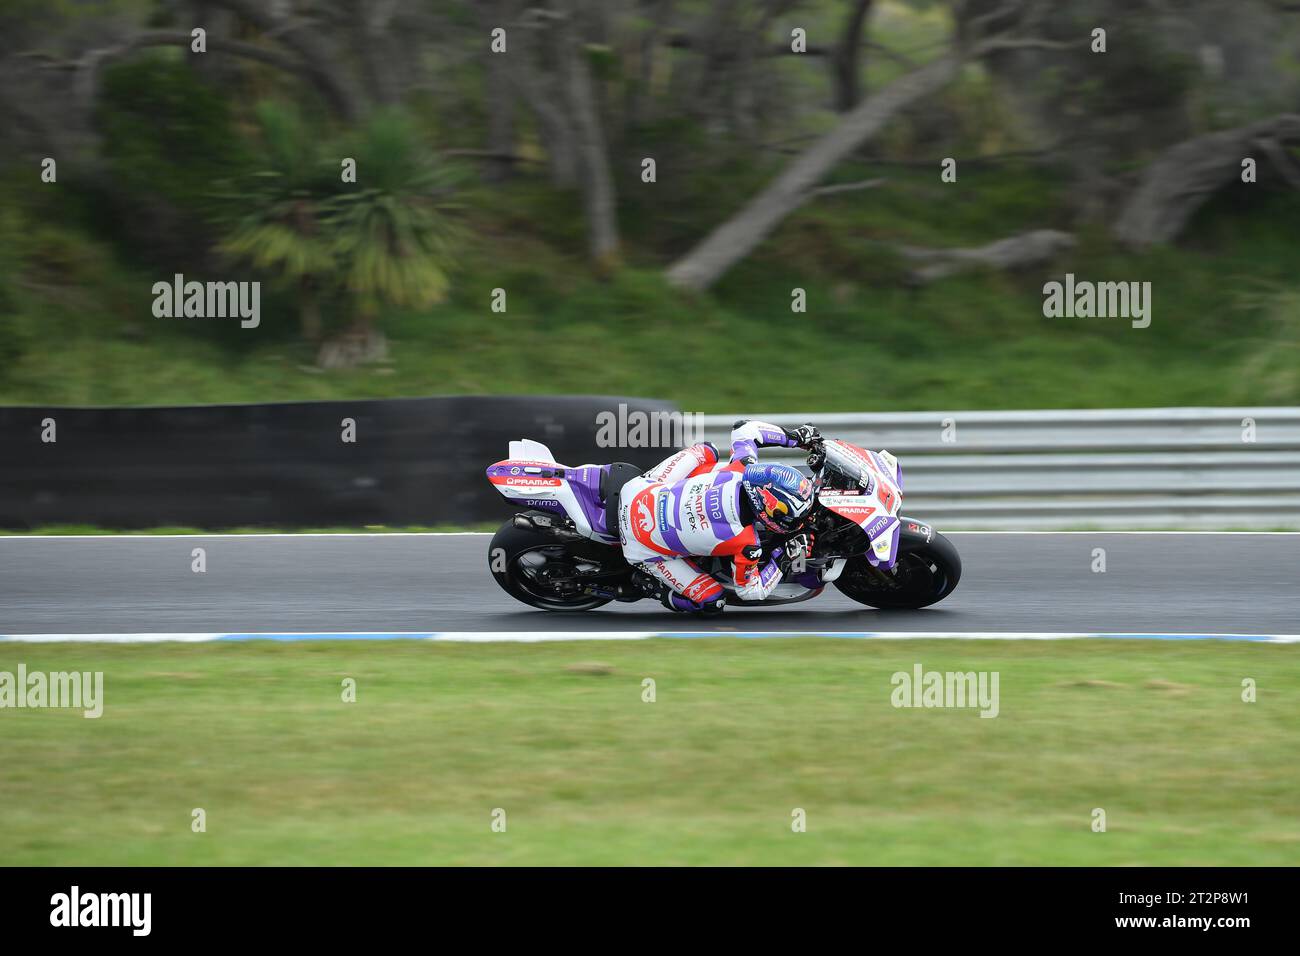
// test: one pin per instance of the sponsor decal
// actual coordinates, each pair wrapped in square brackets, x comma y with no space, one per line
[877,526]
[645,520]
[668,576]
[850,506]
[523,482]
[713,504]
[772,504]
[924,529]
[661,506]
[700,587]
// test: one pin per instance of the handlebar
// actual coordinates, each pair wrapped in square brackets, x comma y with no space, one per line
[817,455]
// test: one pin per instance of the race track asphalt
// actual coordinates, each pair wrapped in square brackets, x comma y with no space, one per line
[1153,583]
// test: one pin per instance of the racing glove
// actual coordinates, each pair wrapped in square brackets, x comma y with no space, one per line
[753,583]
[805,436]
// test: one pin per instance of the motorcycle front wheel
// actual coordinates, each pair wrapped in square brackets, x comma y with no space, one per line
[926,573]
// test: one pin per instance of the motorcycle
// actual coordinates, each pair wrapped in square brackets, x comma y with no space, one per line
[563,552]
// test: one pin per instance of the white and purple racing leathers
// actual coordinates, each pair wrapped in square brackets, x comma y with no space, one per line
[694,504]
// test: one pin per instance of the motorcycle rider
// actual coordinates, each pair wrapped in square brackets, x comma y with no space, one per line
[694,504]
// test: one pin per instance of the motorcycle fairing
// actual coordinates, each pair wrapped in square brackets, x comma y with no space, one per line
[873,506]
[540,482]
[526,448]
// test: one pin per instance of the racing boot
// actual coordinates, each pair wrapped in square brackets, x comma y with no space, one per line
[675,602]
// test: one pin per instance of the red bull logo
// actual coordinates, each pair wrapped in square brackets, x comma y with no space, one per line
[772,504]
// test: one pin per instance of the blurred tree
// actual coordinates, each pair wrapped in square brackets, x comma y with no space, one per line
[846,62]
[389,234]
[383,240]
[13,331]
[281,233]
[550,69]
[975,36]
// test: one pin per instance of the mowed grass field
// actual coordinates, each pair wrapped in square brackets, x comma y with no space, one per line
[741,733]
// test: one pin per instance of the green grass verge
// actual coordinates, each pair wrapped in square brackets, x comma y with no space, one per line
[741,734]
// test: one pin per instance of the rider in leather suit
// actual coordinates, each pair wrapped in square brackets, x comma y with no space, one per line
[692,503]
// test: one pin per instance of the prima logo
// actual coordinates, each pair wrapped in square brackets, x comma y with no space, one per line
[1102,300]
[75,908]
[179,299]
[923,688]
[638,429]
[74,689]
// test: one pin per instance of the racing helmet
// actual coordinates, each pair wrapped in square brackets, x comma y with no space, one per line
[781,497]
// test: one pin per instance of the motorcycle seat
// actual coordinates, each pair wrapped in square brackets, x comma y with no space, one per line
[611,483]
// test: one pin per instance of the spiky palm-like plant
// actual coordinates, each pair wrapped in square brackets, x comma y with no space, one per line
[282,232]
[389,232]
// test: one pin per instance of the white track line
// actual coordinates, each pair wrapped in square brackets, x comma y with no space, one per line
[530,637]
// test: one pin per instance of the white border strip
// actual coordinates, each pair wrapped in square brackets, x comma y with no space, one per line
[532,637]
[470,534]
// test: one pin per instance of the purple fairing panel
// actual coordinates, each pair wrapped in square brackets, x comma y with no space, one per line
[876,527]
[809,580]
[584,482]
[893,548]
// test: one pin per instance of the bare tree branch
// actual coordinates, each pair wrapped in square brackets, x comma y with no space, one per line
[88,67]
[735,238]
[1181,179]
[1280,160]
[1012,252]
[846,187]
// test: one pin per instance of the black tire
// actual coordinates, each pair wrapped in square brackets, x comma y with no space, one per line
[509,566]
[927,572]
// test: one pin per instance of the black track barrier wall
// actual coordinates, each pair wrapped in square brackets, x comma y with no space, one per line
[414,461]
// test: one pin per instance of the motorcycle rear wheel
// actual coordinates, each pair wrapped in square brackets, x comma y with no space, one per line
[525,564]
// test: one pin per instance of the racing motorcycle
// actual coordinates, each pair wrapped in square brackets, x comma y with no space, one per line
[562,552]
